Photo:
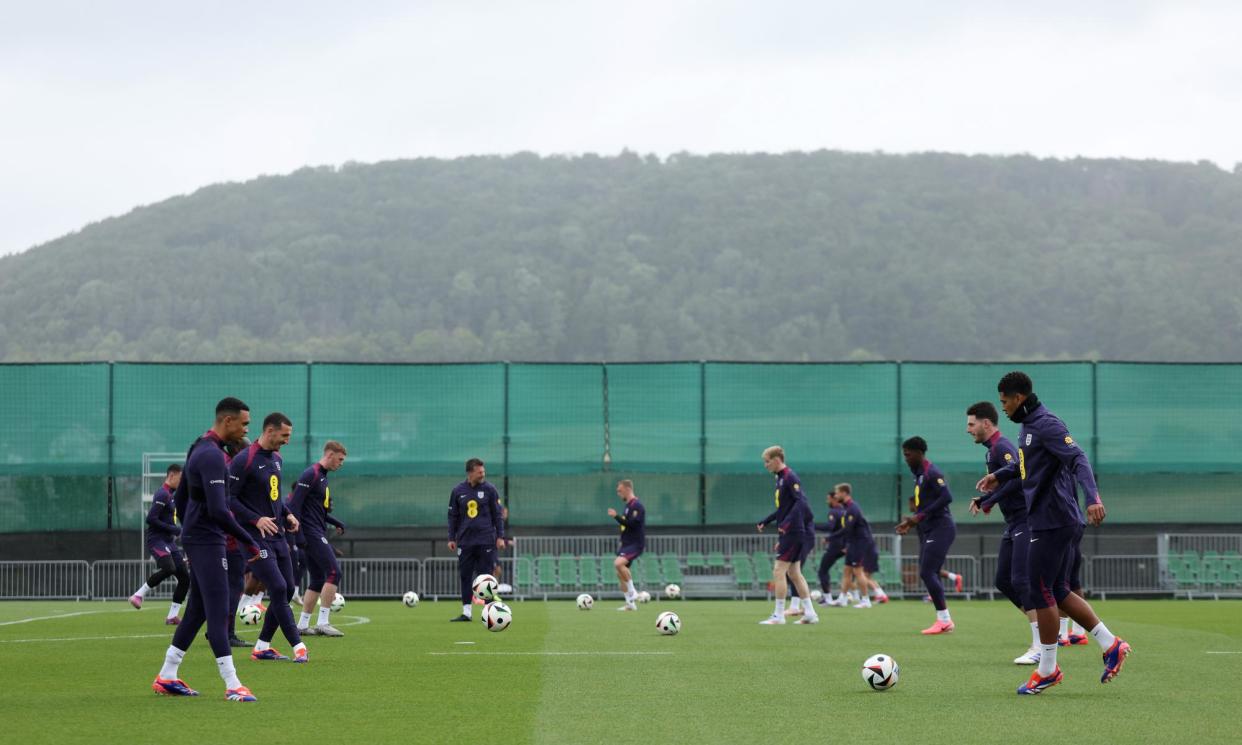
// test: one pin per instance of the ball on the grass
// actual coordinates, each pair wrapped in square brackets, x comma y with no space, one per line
[672,592]
[497,616]
[880,672]
[338,602]
[250,615]
[410,599]
[668,623]
[585,602]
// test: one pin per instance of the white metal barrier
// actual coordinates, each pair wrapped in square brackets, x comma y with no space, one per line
[117,579]
[380,578]
[53,580]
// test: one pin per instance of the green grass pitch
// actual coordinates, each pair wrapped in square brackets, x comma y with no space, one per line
[560,675]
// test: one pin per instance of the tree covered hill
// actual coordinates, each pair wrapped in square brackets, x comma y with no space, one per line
[801,256]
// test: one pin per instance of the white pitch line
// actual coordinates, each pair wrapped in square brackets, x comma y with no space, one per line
[61,615]
[552,654]
[358,620]
[85,638]
[1224,653]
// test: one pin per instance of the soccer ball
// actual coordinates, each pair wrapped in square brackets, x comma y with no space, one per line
[497,616]
[504,588]
[880,671]
[410,599]
[338,602]
[668,623]
[644,597]
[816,595]
[585,601]
[250,615]
[672,592]
[485,587]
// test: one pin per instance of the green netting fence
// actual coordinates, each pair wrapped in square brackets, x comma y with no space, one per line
[556,437]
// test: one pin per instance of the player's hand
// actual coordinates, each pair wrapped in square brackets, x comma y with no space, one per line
[1095,513]
[759,527]
[340,530]
[612,512]
[452,545]
[500,543]
[267,526]
[293,523]
[987,484]
[974,506]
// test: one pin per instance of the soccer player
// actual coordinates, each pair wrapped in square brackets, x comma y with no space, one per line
[862,558]
[475,529]
[633,522]
[834,548]
[162,537]
[202,499]
[936,529]
[254,495]
[808,546]
[1011,558]
[1049,463]
[311,502]
[791,520]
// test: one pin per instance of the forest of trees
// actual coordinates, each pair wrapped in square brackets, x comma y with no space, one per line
[801,256]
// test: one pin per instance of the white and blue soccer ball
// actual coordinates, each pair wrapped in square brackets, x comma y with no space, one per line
[880,672]
[644,597]
[585,602]
[250,615]
[816,595]
[668,623]
[497,616]
[485,587]
[672,592]
[410,599]
[338,602]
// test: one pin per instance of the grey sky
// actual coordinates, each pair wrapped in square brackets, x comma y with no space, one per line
[108,106]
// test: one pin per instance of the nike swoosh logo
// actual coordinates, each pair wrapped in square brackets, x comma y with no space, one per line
[931,541]
[1034,539]
[262,466]
[1015,535]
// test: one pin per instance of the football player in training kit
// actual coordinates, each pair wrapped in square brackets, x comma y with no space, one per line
[1011,579]
[255,496]
[834,549]
[476,529]
[633,522]
[862,558]
[1049,465]
[202,499]
[791,521]
[162,535]
[311,502]
[936,529]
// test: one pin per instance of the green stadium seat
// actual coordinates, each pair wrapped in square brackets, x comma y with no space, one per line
[545,570]
[671,569]
[716,560]
[567,568]
[695,560]
[524,573]
[743,572]
[763,560]
[649,570]
[588,571]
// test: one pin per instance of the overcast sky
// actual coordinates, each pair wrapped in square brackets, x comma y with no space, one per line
[108,106]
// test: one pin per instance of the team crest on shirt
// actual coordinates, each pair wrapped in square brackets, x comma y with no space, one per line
[940,481]
[1008,457]
[797,487]
[1069,440]
[1028,440]
[480,495]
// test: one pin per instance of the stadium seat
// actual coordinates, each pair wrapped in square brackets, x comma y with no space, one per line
[588,571]
[671,568]
[716,560]
[763,561]
[649,571]
[545,567]
[524,574]
[695,560]
[743,572]
[567,568]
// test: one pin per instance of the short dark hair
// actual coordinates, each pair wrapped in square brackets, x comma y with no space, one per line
[984,410]
[915,443]
[276,419]
[472,464]
[230,406]
[173,468]
[1016,382]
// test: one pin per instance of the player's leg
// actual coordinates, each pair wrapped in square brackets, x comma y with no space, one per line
[236,583]
[871,566]
[164,568]
[168,681]
[933,550]
[314,586]
[803,588]
[1047,558]
[621,562]
[822,574]
[327,593]
[780,568]
[267,570]
[182,573]
[465,573]
[1115,648]
[1074,634]
[211,583]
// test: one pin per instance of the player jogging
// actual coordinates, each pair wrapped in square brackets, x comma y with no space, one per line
[936,529]
[791,520]
[311,502]
[162,534]
[1049,463]
[633,522]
